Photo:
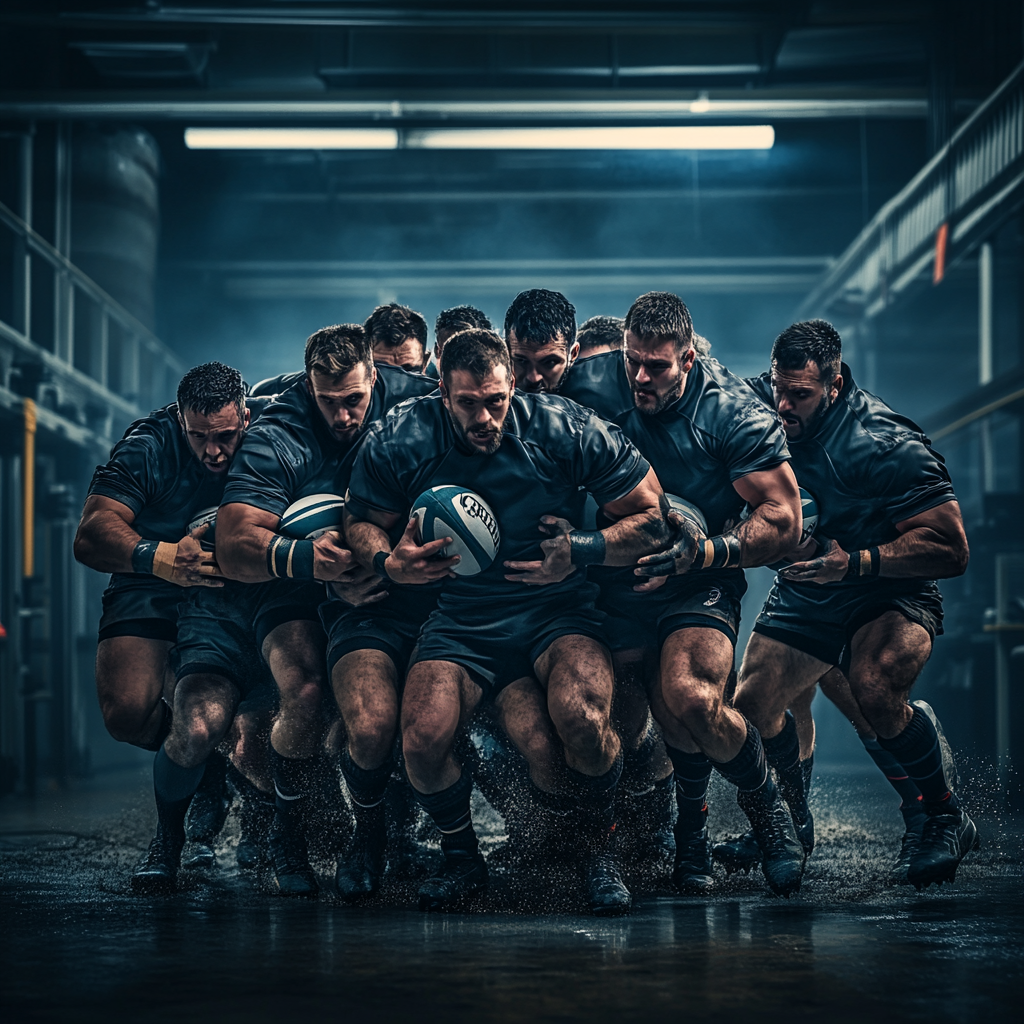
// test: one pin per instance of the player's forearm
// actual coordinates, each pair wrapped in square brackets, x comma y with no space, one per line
[771,530]
[105,542]
[242,555]
[633,537]
[365,539]
[922,553]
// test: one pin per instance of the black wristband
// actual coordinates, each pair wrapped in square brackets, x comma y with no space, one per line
[379,566]
[721,552]
[864,562]
[853,569]
[143,554]
[586,548]
[290,559]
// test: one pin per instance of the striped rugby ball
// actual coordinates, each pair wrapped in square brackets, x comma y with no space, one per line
[309,517]
[450,511]
[688,511]
[208,517]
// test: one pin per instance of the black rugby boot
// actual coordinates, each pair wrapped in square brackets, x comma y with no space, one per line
[693,872]
[740,853]
[607,895]
[158,870]
[909,845]
[361,869]
[945,841]
[207,813]
[289,856]
[255,815]
[463,873]
[782,856]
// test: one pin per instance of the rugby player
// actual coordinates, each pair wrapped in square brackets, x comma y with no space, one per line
[304,444]
[398,337]
[540,331]
[598,377]
[714,444]
[457,318]
[169,467]
[893,527]
[533,458]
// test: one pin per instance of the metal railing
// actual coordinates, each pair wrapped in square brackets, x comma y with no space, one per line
[974,182]
[66,343]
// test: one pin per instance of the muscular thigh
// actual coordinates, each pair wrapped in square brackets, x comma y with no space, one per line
[133,671]
[523,714]
[695,658]
[774,675]
[297,645]
[438,696]
[580,663]
[365,682]
[887,655]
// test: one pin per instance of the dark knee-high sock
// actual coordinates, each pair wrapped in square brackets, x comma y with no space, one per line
[783,754]
[366,786]
[597,799]
[748,770]
[692,773]
[917,750]
[174,787]
[912,805]
[807,773]
[292,777]
[450,812]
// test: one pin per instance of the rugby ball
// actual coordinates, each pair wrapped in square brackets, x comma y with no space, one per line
[688,511]
[208,517]
[809,505]
[309,517]
[450,511]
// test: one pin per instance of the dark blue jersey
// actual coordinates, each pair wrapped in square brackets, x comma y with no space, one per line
[717,432]
[600,383]
[292,452]
[272,386]
[553,453]
[868,467]
[154,472]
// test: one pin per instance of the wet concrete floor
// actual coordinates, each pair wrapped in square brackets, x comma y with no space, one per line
[76,945]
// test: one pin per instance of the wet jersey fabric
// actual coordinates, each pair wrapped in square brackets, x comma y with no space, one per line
[553,453]
[272,386]
[292,452]
[153,471]
[600,383]
[867,466]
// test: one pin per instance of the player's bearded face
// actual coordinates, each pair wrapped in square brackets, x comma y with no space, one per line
[541,367]
[801,398]
[656,371]
[344,399]
[478,407]
[214,438]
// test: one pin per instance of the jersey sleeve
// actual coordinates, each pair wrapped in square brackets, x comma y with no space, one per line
[756,442]
[134,474]
[913,478]
[608,464]
[376,482]
[261,475]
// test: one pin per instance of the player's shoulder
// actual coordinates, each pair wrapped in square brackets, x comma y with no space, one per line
[271,386]
[257,406]
[877,425]
[761,385]
[285,421]
[723,403]
[544,414]
[160,430]
[399,384]
[416,418]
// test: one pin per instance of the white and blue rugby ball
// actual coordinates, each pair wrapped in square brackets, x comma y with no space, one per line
[688,511]
[450,511]
[809,505]
[309,517]
[208,517]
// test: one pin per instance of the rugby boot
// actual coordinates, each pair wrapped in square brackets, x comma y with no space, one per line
[158,870]
[693,872]
[289,856]
[607,895]
[782,856]
[791,784]
[945,840]
[208,811]
[361,869]
[740,853]
[908,847]
[463,873]
[254,819]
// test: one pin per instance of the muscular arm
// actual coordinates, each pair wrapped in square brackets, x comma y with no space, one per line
[105,538]
[773,526]
[408,561]
[931,545]
[244,534]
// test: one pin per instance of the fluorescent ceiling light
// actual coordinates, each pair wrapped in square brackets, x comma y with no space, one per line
[291,138]
[757,136]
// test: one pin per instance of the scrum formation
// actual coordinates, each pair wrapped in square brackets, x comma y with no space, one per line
[517,563]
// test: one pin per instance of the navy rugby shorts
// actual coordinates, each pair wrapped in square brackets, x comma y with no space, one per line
[821,620]
[287,601]
[140,605]
[708,600]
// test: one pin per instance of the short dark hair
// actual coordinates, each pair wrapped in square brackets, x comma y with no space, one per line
[460,318]
[539,316]
[392,324]
[474,350]
[661,316]
[601,330]
[206,389]
[810,339]
[337,350]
